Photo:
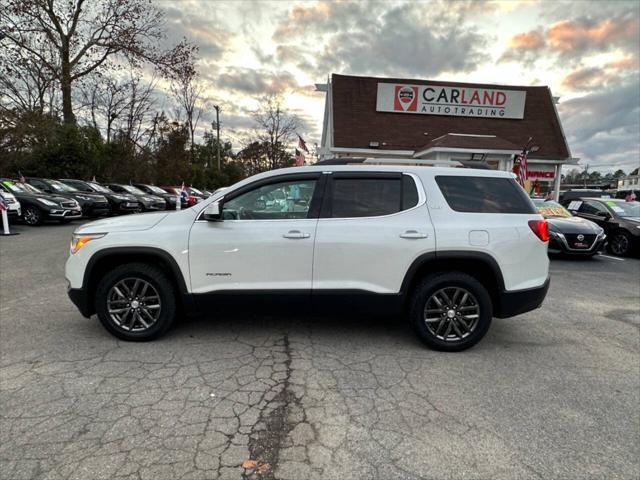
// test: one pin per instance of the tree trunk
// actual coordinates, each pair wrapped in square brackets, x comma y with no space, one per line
[65,82]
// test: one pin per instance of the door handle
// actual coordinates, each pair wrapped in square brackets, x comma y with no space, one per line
[413,234]
[296,234]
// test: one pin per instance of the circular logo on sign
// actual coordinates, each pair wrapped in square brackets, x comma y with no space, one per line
[580,237]
[406,95]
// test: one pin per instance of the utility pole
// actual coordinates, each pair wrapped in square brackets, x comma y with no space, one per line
[217,107]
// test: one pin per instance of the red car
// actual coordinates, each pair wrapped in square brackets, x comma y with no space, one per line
[188,200]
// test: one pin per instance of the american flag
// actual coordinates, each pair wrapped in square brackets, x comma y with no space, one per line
[302,145]
[520,167]
[3,204]
[299,158]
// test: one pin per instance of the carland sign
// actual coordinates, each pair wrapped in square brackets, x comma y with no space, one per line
[455,101]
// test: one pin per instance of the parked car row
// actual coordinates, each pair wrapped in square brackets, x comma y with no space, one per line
[36,200]
[583,226]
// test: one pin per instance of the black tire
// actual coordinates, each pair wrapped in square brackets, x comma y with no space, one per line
[32,215]
[477,302]
[158,280]
[620,243]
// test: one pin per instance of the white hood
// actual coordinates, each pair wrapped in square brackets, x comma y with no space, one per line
[128,223]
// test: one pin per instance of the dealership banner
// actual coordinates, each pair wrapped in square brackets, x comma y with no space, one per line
[454,101]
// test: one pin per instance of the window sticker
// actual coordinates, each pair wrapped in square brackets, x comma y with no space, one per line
[575,205]
[553,212]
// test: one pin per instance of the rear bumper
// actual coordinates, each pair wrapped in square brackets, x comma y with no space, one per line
[512,303]
[80,300]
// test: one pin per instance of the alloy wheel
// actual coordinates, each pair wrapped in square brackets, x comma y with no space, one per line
[134,304]
[620,244]
[451,314]
[31,216]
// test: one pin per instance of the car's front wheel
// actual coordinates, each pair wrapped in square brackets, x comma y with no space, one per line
[136,302]
[451,311]
[620,243]
[32,215]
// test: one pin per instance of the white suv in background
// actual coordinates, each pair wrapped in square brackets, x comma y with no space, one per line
[449,248]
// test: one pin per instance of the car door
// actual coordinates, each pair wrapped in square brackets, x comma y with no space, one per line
[372,227]
[262,244]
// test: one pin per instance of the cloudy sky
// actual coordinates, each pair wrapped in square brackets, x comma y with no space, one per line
[587,52]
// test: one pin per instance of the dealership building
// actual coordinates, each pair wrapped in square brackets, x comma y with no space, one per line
[435,123]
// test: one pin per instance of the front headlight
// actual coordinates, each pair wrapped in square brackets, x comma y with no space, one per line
[47,202]
[79,241]
[121,197]
[82,197]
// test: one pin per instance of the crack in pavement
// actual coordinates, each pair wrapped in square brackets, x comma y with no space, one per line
[273,426]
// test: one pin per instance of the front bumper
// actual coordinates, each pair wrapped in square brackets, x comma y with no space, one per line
[128,206]
[515,302]
[58,213]
[559,244]
[93,209]
[80,300]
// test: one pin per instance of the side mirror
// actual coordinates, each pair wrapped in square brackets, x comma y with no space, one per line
[604,215]
[213,213]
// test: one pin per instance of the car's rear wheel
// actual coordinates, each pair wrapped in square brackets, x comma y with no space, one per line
[451,311]
[620,243]
[32,215]
[136,302]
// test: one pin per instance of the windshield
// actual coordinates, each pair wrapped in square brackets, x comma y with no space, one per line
[99,188]
[13,187]
[551,209]
[61,187]
[132,189]
[624,209]
[28,188]
[155,189]
[196,191]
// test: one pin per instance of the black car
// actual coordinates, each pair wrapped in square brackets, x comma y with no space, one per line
[619,218]
[582,192]
[92,204]
[570,235]
[147,202]
[119,203]
[38,206]
[169,198]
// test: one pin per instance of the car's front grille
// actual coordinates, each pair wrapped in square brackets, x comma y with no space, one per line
[579,240]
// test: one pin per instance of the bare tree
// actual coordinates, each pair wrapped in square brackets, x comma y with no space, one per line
[88,35]
[276,128]
[187,92]
[25,84]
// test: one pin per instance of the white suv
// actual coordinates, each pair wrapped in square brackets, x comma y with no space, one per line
[450,248]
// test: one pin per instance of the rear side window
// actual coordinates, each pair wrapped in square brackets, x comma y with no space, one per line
[484,195]
[372,197]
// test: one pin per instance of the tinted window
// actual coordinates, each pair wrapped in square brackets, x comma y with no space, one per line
[592,208]
[365,197]
[484,194]
[276,201]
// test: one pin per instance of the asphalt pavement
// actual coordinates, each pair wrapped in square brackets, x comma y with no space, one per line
[552,394]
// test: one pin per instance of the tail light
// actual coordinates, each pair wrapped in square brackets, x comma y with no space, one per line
[540,228]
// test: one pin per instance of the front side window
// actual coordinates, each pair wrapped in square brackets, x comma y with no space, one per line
[592,208]
[276,201]
[484,194]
